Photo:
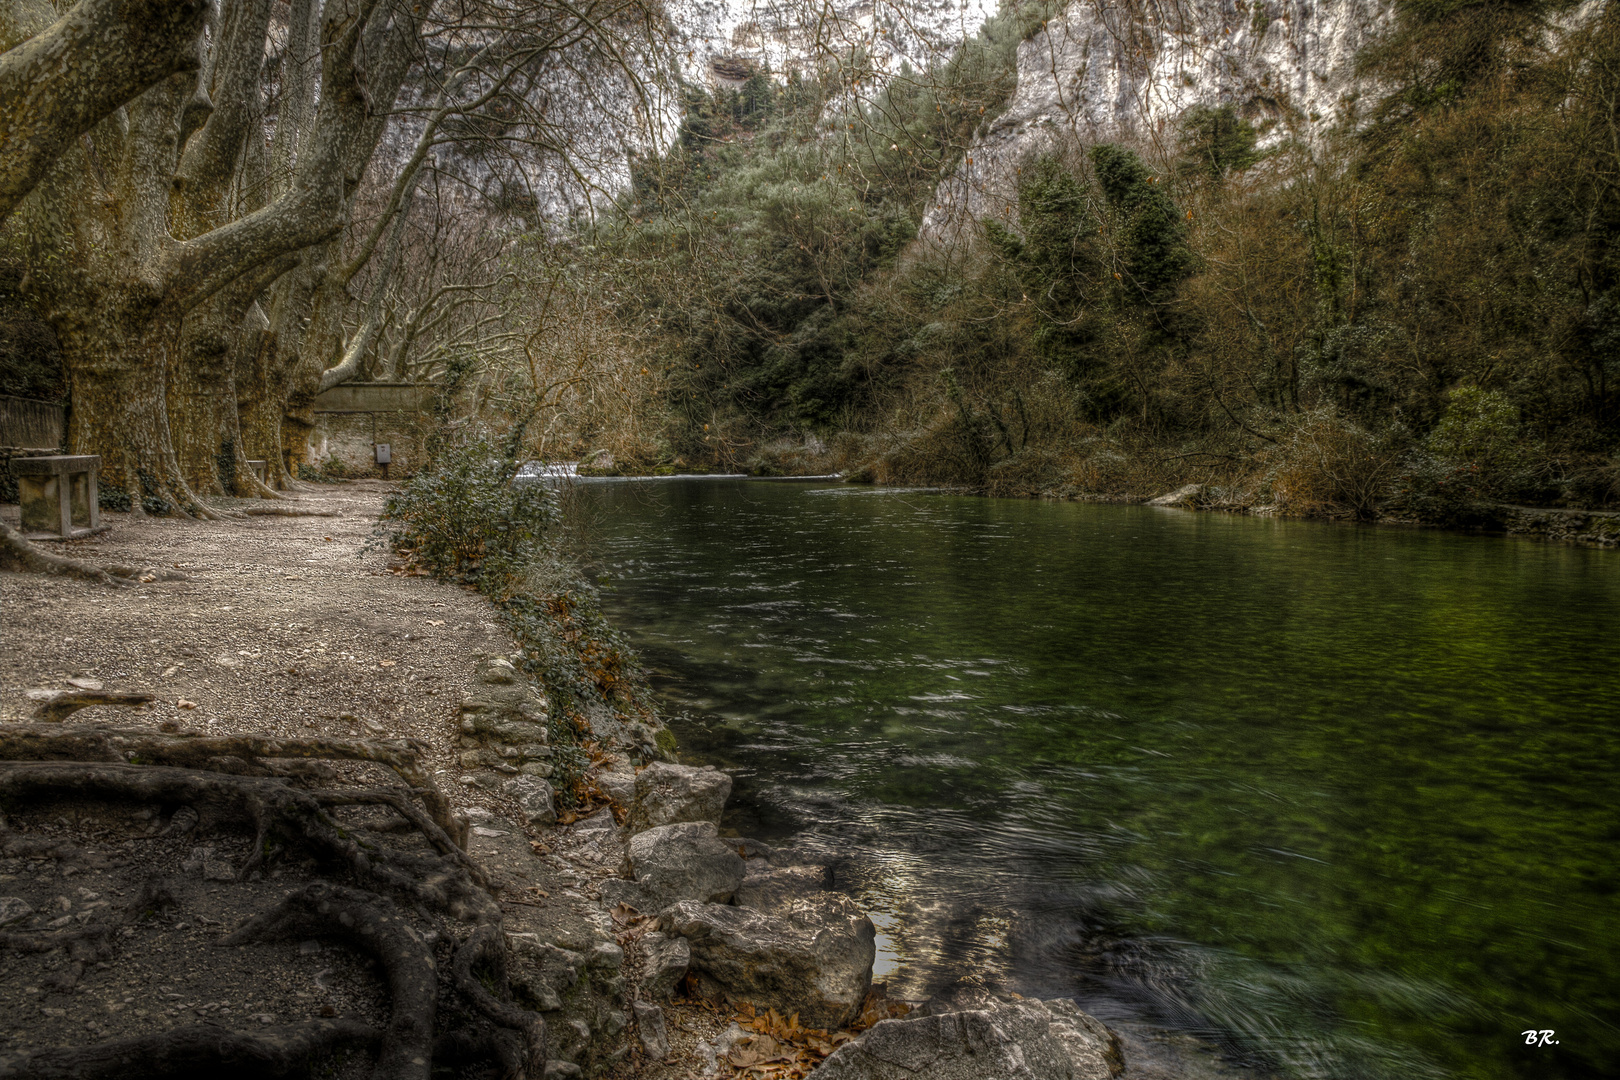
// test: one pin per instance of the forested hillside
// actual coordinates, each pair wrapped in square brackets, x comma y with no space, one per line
[1405,314]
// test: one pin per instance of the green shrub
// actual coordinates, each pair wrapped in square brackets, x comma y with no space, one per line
[465,509]
[1479,438]
[465,517]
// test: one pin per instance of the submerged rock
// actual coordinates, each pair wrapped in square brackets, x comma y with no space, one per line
[812,956]
[687,861]
[668,794]
[976,1036]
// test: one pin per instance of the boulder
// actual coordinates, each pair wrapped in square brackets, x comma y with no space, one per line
[981,1038]
[1186,496]
[620,786]
[534,796]
[666,964]
[812,956]
[668,794]
[688,861]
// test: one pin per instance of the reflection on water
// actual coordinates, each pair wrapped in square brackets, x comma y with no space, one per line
[1339,801]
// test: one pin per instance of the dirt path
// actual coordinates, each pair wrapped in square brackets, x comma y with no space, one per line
[286,625]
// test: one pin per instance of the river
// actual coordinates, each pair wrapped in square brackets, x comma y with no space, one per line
[1329,801]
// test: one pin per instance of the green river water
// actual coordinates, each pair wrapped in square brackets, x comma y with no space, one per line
[1337,801]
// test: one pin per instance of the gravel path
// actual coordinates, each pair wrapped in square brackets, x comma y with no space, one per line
[287,625]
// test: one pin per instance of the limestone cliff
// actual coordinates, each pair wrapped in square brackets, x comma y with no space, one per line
[1104,71]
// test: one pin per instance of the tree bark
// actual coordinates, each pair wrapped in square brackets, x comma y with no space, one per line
[118,282]
[62,82]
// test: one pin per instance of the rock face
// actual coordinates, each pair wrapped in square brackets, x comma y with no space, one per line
[668,794]
[687,861]
[812,956]
[1103,71]
[580,991]
[981,1038]
[503,726]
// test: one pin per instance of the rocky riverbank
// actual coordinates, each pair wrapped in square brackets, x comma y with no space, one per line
[654,945]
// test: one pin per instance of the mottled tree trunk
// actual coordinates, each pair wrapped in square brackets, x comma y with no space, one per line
[126,251]
[115,370]
[202,400]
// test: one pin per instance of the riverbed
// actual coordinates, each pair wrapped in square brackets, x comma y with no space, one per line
[1336,801]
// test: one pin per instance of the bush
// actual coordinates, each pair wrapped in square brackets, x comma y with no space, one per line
[466,517]
[466,509]
[1330,465]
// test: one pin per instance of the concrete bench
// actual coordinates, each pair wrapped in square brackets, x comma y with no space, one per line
[261,469]
[58,494]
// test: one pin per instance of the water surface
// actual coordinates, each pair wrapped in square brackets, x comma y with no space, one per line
[1341,801]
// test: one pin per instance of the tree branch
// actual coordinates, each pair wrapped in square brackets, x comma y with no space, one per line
[60,83]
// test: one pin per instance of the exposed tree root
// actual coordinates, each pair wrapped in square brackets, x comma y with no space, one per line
[372,923]
[16,553]
[286,511]
[276,811]
[284,819]
[29,742]
[484,948]
[56,709]
[195,1050]
[400,801]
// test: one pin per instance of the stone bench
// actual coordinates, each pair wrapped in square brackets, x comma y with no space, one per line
[58,495]
[261,469]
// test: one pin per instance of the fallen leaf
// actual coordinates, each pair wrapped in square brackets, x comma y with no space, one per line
[387,663]
[435,622]
[84,682]
[184,704]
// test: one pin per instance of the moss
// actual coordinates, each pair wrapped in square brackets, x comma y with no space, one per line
[666,742]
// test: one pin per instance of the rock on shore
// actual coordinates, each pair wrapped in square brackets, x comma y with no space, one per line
[812,957]
[974,1035]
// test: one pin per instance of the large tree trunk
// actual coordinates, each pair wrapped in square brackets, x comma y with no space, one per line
[127,252]
[115,362]
[202,399]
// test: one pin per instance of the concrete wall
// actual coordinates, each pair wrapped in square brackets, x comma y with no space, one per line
[348,438]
